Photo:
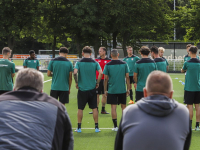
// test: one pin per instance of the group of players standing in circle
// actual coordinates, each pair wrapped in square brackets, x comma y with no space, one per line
[108,77]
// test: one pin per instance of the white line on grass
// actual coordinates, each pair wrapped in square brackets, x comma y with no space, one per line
[47,81]
[93,128]
[100,128]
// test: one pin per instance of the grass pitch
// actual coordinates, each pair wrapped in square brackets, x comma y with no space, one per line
[104,140]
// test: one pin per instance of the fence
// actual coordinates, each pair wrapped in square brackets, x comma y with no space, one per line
[175,65]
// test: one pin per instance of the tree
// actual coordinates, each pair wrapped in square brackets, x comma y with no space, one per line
[134,20]
[189,17]
[15,15]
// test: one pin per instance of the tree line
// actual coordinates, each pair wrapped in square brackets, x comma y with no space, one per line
[49,24]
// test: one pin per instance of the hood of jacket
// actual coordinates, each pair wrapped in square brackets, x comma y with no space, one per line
[157,105]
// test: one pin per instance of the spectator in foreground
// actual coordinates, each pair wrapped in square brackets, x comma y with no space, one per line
[31,119]
[159,122]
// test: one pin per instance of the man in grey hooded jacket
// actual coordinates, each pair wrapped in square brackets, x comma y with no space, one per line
[156,122]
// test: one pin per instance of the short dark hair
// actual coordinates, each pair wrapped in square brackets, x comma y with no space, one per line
[87,49]
[64,50]
[193,49]
[103,48]
[114,52]
[189,45]
[154,49]
[144,50]
[31,52]
[6,50]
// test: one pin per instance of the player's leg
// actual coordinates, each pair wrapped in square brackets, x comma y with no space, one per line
[82,101]
[189,100]
[104,99]
[131,91]
[54,94]
[98,91]
[64,97]
[92,102]
[197,108]
[114,116]
[112,99]
[122,100]
[139,95]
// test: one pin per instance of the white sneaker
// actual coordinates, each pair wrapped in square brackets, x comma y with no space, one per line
[115,129]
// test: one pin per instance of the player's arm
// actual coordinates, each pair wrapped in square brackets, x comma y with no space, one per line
[38,65]
[49,73]
[70,81]
[76,77]
[105,84]
[183,71]
[128,83]
[99,77]
[24,64]
[13,74]
[167,68]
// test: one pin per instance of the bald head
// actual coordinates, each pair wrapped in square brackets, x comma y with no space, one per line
[159,82]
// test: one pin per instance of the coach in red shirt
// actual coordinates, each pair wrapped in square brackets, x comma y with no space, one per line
[102,60]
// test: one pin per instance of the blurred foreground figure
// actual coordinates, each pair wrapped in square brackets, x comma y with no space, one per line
[30,119]
[156,122]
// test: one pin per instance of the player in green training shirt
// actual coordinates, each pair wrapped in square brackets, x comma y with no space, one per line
[60,68]
[31,62]
[192,84]
[160,62]
[87,84]
[187,57]
[114,73]
[130,60]
[143,68]
[7,71]
[161,51]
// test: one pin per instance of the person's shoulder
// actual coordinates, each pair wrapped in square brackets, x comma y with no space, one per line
[193,60]
[159,60]
[187,55]
[28,94]
[28,59]
[116,62]
[181,108]
[130,109]
[87,60]
[60,59]
[145,60]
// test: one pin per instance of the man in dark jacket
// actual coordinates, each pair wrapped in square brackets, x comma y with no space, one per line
[30,119]
[156,121]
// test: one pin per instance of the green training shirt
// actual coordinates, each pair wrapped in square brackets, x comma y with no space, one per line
[192,79]
[87,68]
[166,61]
[143,68]
[131,63]
[116,71]
[187,57]
[161,64]
[61,67]
[6,69]
[31,63]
